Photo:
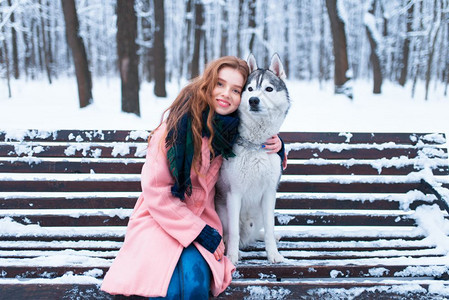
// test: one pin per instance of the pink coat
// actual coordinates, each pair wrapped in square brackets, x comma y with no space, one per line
[161,226]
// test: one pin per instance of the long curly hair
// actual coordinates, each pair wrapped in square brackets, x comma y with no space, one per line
[195,98]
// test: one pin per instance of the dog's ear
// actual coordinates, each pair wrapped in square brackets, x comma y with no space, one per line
[251,61]
[276,67]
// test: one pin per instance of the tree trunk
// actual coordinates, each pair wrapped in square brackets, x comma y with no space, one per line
[127,55]
[45,46]
[83,76]
[185,55]
[224,31]
[15,56]
[406,47]
[26,42]
[418,49]
[371,31]
[322,54]
[239,28]
[341,76]
[286,62]
[159,49]
[33,52]
[5,55]
[431,50]
[51,40]
[147,37]
[38,42]
[446,69]
[199,34]
[4,58]
[416,75]
[252,24]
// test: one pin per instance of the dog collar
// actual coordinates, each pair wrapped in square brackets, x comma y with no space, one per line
[247,144]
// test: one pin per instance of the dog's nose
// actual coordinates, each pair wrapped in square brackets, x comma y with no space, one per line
[254,101]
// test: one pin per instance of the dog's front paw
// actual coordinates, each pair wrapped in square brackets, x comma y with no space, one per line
[233,257]
[275,257]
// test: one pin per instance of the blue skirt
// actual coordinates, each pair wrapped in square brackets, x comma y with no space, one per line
[191,277]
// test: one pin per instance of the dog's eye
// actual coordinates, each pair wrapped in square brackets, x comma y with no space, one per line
[250,89]
[269,89]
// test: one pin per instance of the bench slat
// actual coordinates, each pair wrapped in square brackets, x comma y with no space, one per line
[353,153]
[326,290]
[136,167]
[134,186]
[9,150]
[356,137]
[319,271]
[97,136]
[288,137]
[53,291]
[354,187]
[71,167]
[360,169]
[330,256]
[244,271]
[69,186]
[129,202]
[311,203]
[280,220]
[371,247]
[67,203]
[237,290]
[263,259]
[61,151]
[76,236]
[106,152]
[346,220]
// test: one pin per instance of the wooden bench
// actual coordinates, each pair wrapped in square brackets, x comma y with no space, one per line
[359,214]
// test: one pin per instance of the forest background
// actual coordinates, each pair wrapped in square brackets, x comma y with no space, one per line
[399,42]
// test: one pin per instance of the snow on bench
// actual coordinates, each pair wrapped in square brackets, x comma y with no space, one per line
[359,213]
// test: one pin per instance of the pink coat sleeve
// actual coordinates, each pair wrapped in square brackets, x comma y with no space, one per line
[168,211]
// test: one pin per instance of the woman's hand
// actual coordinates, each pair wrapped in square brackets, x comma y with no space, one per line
[273,144]
[218,254]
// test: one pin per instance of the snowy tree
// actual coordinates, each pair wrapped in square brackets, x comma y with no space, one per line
[406,45]
[4,55]
[413,35]
[433,35]
[374,41]
[76,44]
[15,58]
[46,49]
[198,38]
[145,25]
[159,49]
[342,75]
[127,55]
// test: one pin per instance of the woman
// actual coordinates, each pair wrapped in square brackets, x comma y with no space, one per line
[173,244]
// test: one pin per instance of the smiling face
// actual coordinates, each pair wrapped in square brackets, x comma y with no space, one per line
[228,91]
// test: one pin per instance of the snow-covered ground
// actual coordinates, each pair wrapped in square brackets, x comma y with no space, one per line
[39,105]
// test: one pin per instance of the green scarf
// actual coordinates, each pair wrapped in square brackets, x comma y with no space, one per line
[180,154]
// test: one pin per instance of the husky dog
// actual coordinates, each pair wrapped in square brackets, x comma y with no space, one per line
[246,188]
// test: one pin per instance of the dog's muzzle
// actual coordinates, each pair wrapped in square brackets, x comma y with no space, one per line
[254,104]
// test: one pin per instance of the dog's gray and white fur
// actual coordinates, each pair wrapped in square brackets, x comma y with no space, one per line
[246,188]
